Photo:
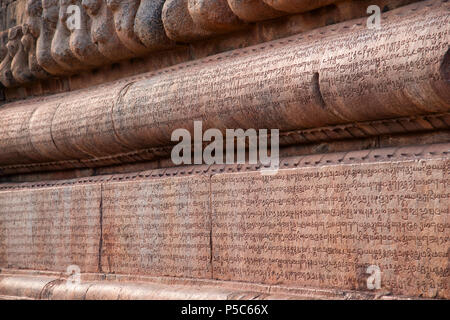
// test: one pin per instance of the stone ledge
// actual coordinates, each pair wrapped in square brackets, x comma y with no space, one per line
[16,286]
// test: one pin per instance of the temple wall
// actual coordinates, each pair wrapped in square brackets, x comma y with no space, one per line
[88,184]
[317,226]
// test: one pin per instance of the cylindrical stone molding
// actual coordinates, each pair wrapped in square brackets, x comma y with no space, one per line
[325,77]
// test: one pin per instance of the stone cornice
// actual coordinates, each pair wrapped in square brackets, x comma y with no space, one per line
[298,83]
[116,31]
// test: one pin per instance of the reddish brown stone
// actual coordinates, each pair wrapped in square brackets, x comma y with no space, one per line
[50,228]
[298,5]
[214,15]
[253,10]
[323,227]
[159,227]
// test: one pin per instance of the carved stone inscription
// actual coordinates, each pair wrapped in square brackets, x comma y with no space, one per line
[325,226]
[51,228]
[159,227]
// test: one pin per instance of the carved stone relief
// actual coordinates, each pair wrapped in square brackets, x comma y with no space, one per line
[103,31]
[31,30]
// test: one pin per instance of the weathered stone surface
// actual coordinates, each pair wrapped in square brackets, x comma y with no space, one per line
[305,226]
[14,13]
[290,84]
[323,227]
[81,42]
[103,31]
[16,129]
[253,10]
[124,14]
[50,229]
[50,15]
[298,5]
[214,15]
[6,76]
[31,30]
[92,104]
[178,22]
[13,286]
[337,206]
[159,227]
[3,42]
[24,287]
[19,64]
[143,32]
[60,48]
[149,26]
[145,112]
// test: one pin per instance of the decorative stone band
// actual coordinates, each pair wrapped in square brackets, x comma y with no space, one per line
[33,285]
[330,76]
[24,285]
[56,43]
[318,226]
[434,122]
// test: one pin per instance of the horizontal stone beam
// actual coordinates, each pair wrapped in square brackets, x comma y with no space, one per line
[17,285]
[335,75]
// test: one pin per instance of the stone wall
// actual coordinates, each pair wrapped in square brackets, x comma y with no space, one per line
[87,180]
[318,226]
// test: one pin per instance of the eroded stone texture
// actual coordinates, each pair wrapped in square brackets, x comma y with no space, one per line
[60,48]
[124,13]
[103,31]
[6,76]
[149,27]
[50,15]
[253,10]
[81,42]
[50,229]
[293,6]
[159,227]
[214,15]
[3,42]
[323,227]
[19,64]
[31,30]
[178,22]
